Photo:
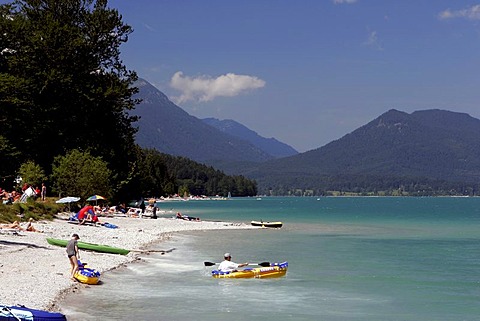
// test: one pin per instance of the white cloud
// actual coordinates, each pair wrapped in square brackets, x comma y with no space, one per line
[344,1]
[472,13]
[206,88]
[149,27]
[372,40]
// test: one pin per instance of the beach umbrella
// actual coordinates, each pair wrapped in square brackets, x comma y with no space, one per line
[95,198]
[68,200]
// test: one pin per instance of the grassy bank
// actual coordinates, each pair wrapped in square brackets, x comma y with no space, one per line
[32,209]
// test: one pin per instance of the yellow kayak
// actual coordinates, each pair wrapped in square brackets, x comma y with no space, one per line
[275,270]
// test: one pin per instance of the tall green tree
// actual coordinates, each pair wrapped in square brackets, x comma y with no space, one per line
[31,173]
[8,161]
[62,82]
[80,174]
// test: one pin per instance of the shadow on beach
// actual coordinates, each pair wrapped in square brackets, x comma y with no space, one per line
[10,243]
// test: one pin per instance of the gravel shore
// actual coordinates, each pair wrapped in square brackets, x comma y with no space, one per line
[35,274]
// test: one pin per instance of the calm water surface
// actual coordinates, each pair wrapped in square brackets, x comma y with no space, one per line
[350,259]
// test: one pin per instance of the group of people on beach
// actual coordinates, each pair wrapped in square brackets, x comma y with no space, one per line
[15,196]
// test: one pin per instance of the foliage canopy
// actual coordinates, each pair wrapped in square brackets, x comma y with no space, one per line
[65,91]
[80,174]
[62,82]
[32,173]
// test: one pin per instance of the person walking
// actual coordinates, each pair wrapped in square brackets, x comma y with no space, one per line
[73,255]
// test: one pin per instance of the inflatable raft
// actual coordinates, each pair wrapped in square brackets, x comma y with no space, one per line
[275,270]
[87,275]
[22,313]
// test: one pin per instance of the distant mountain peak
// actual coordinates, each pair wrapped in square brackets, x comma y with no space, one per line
[269,145]
[169,129]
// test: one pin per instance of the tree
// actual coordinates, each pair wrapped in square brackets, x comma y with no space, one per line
[31,173]
[62,81]
[150,176]
[8,161]
[80,174]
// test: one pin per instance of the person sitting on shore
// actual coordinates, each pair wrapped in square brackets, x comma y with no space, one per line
[85,215]
[134,212]
[7,198]
[228,266]
[121,208]
[30,227]
[15,196]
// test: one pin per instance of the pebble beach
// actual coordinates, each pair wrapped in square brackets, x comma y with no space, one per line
[35,274]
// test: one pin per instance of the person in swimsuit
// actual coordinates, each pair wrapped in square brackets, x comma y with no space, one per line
[73,255]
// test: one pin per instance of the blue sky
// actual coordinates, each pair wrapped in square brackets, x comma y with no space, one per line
[307,72]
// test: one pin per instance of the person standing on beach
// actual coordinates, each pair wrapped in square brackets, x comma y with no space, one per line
[44,192]
[228,266]
[73,254]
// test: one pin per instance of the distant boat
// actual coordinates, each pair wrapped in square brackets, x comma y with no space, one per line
[229,195]
[267,224]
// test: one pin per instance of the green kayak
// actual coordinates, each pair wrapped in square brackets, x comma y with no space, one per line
[90,246]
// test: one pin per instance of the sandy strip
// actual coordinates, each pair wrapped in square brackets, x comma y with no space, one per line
[34,273]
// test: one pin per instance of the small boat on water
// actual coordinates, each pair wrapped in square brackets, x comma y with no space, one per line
[16,313]
[90,246]
[275,270]
[267,224]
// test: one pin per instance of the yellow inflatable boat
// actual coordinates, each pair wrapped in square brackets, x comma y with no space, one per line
[275,270]
[87,275]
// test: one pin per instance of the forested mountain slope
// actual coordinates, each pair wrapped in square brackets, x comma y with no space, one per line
[395,149]
[169,129]
[269,145]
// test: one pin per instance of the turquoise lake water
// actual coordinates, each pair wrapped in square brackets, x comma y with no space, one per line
[349,259]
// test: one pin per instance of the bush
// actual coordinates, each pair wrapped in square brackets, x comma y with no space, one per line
[31,209]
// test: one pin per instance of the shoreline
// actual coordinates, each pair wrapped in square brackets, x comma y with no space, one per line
[36,274]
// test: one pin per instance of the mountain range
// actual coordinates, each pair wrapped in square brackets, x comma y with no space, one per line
[397,149]
[169,129]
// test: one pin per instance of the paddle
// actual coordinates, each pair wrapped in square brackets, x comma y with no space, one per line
[264,264]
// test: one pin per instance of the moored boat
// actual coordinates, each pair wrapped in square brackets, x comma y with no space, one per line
[267,224]
[90,246]
[275,270]
[25,314]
